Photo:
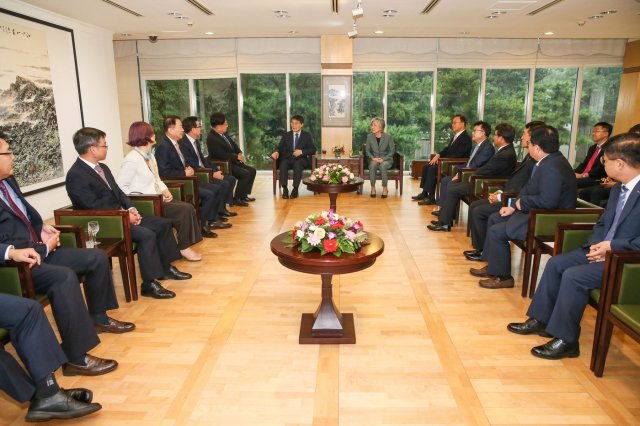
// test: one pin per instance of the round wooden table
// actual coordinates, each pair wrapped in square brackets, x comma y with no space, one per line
[333,189]
[327,325]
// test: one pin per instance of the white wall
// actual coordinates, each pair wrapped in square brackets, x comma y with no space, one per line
[96,68]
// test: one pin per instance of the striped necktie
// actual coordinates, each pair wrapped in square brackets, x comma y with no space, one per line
[616,219]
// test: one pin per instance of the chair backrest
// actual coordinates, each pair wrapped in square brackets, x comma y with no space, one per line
[204,175]
[110,226]
[545,223]
[10,279]
[148,204]
[190,188]
[397,159]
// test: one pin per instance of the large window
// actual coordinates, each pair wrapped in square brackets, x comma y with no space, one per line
[305,92]
[505,99]
[458,92]
[409,113]
[553,99]
[264,116]
[167,97]
[598,103]
[368,94]
[216,95]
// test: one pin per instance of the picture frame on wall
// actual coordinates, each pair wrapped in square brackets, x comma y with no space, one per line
[40,92]
[336,100]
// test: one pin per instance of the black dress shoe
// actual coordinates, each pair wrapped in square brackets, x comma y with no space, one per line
[420,196]
[59,406]
[175,274]
[294,193]
[436,212]
[427,202]
[247,198]
[468,252]
[80,394]
[436,222]
[441,227]
[222,219]
[94,366]
[285,196]
[474,257]
[557,349]
[206,233]
[154,289]
[530,326]
[115,326]
[219,225]
[285,193]
[227,213]
[240,203]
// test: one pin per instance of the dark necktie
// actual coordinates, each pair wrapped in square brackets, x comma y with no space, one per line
[198,153]
[475,148]
[295,140]
[100,172]
[616,219]
[179,153]
[16,210]
[228,141]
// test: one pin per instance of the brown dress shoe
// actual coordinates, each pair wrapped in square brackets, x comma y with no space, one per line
[94,367]
[115,326]
[496,282]
[482,272]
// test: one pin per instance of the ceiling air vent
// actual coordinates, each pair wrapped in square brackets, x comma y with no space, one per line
[197,5]
[545,7]
[334,6]
[430,6]
[121,7]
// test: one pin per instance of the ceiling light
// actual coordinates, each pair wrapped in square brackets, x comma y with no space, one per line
[293,32]
[388,15]
[596,17]
[358,12]
[378,32]
[209,33]
[499,12]
[491,17]
[174,13]
[390,11]
[608,12]
[125,34]
[181,17]
[464,33]
[549,33]
[354,31]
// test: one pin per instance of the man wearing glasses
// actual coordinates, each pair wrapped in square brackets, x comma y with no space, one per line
[591,170]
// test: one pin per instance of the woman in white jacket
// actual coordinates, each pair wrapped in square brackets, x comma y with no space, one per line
[139,175]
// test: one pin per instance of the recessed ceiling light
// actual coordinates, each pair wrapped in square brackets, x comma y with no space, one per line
[499,12]
[181,17]
[596,17]
[209,33]
[125,34]
[549,33]
[379,32]
[293,32]
[388,15]
[391,11]
[491,17]
[608,12]
[174,13]
[464,33]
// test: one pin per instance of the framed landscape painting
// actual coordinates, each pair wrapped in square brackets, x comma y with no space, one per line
[40,103]
[336,100]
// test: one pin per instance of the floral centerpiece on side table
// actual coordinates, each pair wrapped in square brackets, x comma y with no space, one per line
[332,173]
[328,232]
[338,151]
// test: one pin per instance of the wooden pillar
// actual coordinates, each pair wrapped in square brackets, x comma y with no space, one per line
[628,109]
[336,57]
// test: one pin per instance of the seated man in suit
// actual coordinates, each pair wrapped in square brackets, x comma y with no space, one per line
[563,293]
[55,274]
[480,210]
[591,170]
[222,147]
[190,147]
[294,152]
[171,162]
[552,186]
[459,147]
[502,163]
[91,186]
[482,152]
[41,354]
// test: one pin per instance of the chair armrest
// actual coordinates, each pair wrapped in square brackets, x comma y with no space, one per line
[147,204]
[464,173]
[570,236]
[491,185]
[15,279]
[223,165]
[205,175]
[71,236]
[177,190]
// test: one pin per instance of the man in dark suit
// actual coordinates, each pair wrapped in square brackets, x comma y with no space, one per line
[563,293]
[222,147]
[193,156]
[294,152]
[501,163]
[91,186]
[38,348]
[482,152]
[55,274]
[480,210]
[552,186]
[171,162]
[459,147]
[591,170]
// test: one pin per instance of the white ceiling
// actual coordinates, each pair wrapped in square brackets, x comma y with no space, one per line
[313,18]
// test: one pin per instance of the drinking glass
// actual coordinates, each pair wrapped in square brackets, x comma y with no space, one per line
[93,227]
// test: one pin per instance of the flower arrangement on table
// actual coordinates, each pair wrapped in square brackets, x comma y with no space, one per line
[328,232]
[332,173]
[338,151]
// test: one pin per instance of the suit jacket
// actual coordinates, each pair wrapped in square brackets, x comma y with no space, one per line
[191,157]
[88,191]
[627,236]
[502,163]
[553,186]
[13,231]
[483,154]
[168,159]
[305,143]
[520,175]
[597,171]
[136,176]
[220,149]
[460,147]
[386,149]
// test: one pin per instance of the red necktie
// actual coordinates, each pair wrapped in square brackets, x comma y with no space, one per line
[592,160]
[18,212]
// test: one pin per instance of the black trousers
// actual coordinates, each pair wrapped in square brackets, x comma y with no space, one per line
[479,212]
[157,246]
[184,219]
[428,181]
[35,343]
[297,164]
[227,184]
[455,192]
[245,175]
[211,201]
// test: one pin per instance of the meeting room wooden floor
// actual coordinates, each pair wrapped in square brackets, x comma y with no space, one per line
[432,347]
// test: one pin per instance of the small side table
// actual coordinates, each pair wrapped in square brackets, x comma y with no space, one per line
[355,164]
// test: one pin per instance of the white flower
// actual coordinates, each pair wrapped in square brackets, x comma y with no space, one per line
[299,233]
[319,232]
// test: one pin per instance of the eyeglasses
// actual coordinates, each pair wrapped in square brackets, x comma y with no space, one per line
[102,146]
[598,131]
[7,153]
